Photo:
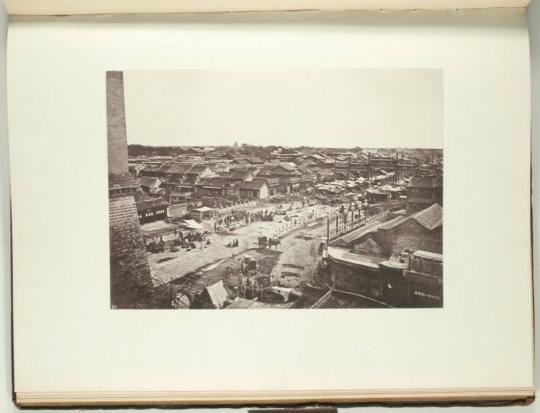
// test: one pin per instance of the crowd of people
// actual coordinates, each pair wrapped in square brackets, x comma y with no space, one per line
[241,217]
[189,241]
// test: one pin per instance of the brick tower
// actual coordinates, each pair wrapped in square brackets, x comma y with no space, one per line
[131,284]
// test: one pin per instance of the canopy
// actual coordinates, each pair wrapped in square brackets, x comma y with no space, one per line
[192,224]
[204,209]
[217,293]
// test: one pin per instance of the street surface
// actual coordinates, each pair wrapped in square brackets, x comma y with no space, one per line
[300,237]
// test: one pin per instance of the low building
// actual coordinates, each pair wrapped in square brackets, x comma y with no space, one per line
[324,175]
[177,211]
[397,262]
[243,303]
[396,192]
[424,279]
[135,168]
[198,172]
[375,196]
[254,190]
[159,231]
[413,282]
[271,183]
[150,170]
[180,197]
[214,296]
[178,171]
[151,185]
[202,213]
[356,273]
[218,186]
[254,160]
[239,176]
[343,299]
[424,191]
[152,209]
[420,231]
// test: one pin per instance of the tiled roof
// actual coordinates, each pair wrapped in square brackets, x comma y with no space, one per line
[425,181]
[148,181]
[392,223]
[216,181]
[342,299]
[122,181]
[217,294]
[286,166]
[244,303]
[430,217]
[253,185]
[239,174]
[148,203]
[324,172]
[254,159]
[179,168]
[197,169]
[165,166]
[266,170]
[149,168]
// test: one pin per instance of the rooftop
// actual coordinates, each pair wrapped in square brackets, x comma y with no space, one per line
[156,228]
[148,203]
[243,303]
[197,169]
[217,294]
[430,218]
[253,185]
[148,181]
[344,255]
[425,181]
[428,254]
[343,299]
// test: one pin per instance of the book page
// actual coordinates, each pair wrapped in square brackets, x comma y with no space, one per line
[441,93]
[56,7]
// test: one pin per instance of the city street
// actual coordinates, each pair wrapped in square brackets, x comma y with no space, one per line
[290,265]
[168,266]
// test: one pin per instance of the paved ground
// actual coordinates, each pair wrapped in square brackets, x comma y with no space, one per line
[298,262]
[168,266]
[290,265]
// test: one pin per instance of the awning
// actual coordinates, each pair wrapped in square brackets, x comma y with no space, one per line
[191,224]
[204,209]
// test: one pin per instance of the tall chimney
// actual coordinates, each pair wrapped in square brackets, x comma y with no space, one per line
[131,282]
[116,124]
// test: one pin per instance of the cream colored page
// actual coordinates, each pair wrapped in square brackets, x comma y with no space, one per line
[55,7]
[66,337]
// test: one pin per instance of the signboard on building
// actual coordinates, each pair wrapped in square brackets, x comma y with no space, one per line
[177,211]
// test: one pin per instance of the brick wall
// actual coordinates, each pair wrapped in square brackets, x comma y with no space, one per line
[355,279]
[116,124]
[409,235]
[131,284]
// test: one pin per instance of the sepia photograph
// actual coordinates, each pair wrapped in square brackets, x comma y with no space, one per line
[284,189]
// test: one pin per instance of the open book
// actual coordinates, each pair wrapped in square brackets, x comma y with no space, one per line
[352,176]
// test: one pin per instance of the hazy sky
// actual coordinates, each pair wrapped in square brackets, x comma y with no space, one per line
[327,107]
